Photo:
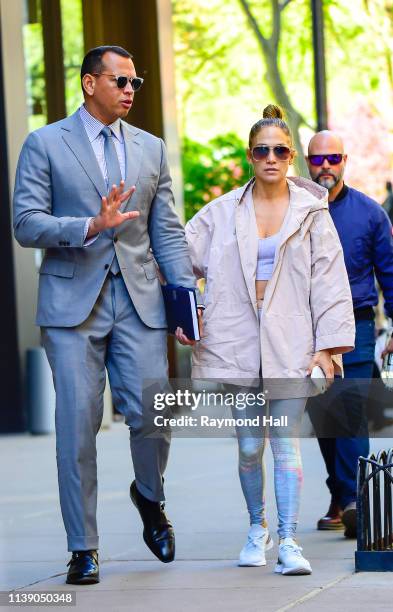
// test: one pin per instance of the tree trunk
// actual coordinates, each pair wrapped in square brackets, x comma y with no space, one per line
[269,48]
[294,119]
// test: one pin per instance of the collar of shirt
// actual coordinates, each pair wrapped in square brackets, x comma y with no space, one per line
[341,195]
[94,127]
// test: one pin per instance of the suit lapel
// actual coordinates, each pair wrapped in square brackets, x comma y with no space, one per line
[134,152]
[75,137]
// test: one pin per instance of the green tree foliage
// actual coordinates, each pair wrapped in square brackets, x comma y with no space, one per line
[73,51]
[211,169]
[211,65]
[227,70]
[35,74]
[223,76]
[269,45]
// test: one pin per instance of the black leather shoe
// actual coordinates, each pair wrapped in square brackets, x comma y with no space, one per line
[158,532]
[84,567]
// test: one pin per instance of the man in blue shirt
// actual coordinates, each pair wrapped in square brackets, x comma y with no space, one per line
[338,416]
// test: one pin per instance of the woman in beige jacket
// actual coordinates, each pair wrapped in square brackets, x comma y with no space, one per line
[277,303]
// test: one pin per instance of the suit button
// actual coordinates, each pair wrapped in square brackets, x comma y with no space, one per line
[115,239]
[106,266]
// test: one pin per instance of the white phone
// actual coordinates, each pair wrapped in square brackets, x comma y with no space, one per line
[317,372]
[319,378]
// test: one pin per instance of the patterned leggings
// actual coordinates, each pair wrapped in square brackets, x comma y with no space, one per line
[288,473]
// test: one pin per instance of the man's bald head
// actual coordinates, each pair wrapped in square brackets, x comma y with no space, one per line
[325,141]
[326,161]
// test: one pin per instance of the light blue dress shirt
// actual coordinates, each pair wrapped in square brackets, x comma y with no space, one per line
[93,129]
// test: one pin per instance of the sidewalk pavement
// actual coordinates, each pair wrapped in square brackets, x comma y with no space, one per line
[207,509]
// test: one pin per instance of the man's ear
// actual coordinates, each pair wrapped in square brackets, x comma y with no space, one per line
[88,84]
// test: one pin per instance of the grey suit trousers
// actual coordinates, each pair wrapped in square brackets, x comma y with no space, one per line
[115,338]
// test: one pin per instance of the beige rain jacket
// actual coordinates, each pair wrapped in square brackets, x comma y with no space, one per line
[307,305]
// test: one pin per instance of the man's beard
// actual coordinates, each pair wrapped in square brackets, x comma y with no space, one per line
[329,181]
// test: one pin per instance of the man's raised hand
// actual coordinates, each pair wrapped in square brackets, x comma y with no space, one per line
[110,215]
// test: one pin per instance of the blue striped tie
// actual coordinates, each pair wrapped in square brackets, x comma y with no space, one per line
[114,175]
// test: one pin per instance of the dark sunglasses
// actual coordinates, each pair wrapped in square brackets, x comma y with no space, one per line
[121,81]
[333,159]
[261,152]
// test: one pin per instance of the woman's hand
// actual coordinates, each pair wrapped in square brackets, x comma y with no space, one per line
[323,359]
[182,338]
[200,321]
[388,349]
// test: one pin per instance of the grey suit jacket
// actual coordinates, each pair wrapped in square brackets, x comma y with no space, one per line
[59,185]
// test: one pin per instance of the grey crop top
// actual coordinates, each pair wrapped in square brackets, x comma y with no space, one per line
[266,254]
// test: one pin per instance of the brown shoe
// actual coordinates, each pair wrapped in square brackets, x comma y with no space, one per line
[332,519]
[349,520]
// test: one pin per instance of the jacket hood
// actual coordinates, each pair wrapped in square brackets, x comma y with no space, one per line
[316,195]
[308,195]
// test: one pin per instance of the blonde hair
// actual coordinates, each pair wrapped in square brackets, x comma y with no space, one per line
[273,115]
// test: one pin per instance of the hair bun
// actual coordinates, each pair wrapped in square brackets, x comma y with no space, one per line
[272,111]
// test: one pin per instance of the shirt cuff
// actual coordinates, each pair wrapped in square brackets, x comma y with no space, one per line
[93,238]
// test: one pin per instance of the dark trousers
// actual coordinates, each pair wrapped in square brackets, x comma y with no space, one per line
[339,417]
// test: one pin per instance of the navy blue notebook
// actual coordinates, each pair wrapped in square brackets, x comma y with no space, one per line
[181,310]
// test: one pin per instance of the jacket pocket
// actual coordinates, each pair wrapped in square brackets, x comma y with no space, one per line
[150,269]
[58,267]
[360,252]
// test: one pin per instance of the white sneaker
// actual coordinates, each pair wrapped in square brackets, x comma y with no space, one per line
[290,559]
[253,552]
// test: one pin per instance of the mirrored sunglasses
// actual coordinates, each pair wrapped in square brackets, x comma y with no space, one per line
[332,158]
[121,81]
[281,152]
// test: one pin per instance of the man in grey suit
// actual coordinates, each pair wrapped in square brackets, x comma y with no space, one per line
[95,193]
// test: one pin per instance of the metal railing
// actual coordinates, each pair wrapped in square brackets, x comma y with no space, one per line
[375,512]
